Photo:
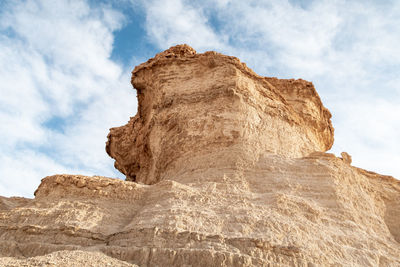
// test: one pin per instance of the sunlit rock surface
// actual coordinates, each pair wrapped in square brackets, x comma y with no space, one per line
[192,106]
[224,168]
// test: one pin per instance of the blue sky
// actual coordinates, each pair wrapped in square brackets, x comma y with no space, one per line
[65,72]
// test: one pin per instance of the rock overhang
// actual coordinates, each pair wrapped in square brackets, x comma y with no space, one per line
[191,103]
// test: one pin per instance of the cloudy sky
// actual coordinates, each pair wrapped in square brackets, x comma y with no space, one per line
[65,72]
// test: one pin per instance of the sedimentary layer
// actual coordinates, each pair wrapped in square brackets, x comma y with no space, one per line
[224,168]
[194,104]
[311,211]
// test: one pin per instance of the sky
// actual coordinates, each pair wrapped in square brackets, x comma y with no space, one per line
[65,72]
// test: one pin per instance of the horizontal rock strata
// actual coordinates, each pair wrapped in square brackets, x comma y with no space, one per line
[66,258]
[285,212]
[194,104]
[224,168]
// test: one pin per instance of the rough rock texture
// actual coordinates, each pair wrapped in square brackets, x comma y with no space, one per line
[232,172]
[66,258]
[191,105]
[346,157]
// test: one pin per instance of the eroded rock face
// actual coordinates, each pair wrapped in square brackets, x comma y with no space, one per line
[233,173]
[195,104]
[66,258]
[311,211]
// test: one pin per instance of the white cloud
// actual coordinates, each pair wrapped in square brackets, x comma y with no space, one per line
[369,130]
[174,22]
[55,65]
[22,170]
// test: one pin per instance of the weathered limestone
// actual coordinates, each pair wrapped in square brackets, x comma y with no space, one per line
[195,104]
[230,170]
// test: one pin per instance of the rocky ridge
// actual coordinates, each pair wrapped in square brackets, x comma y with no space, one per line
[224,168]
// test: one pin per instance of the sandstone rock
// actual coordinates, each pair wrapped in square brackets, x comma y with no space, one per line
[13,202]
[233,172]
[346,157]
[192,105]
[66,258]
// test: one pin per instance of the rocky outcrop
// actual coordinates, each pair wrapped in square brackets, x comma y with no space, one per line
[192,105]
[230,170]
[67,258]
[312,211]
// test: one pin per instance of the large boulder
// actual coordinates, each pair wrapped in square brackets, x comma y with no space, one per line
[193,105]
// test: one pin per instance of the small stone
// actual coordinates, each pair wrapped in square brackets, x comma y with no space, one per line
[346,157]
[81,183]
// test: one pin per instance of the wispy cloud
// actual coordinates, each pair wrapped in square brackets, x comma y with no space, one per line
[60,91]
[174,22]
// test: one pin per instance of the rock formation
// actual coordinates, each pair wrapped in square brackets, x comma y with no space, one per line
[224,168]
[193,106]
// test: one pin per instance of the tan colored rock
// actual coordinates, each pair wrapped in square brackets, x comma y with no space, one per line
[13,202]
[196,104]
[66,258]
[265,195]
[313,210]
[346,157]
